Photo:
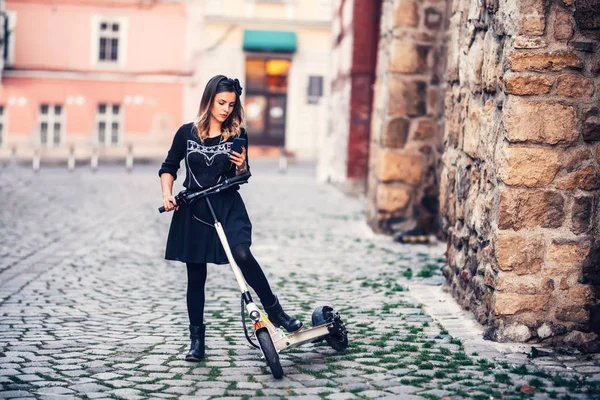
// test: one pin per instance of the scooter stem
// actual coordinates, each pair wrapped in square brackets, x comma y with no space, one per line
[236,270]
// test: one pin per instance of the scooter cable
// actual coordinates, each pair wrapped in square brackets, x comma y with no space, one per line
[244,325]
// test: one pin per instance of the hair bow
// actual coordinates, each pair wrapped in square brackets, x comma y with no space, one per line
[237,87]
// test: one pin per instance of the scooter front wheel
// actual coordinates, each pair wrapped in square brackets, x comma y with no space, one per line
[269,351]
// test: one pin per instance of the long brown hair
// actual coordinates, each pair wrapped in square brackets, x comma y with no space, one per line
[233,124]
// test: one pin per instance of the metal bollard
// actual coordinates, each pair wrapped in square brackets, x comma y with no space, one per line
[13,156]
[283,161]
[129,158]
[35,162]
[94,159]
[71,159]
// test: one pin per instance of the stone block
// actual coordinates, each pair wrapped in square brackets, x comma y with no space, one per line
[519,209]
[540,122]
[531,6]
[407,13]
[578,338]
[528,167]
[585,177]
[522,253]
[516,333]
[471,140]
[567,255]
[528,42]
[563,26]
[454,51]
[590,129]
[526,84]
[408,57]
[425,130]
[544,331]
[407,97]
[581,214]
[391,198]
[491,61]
[513,283]
[573,314]
[396,133]
[539,62]
[530,17]
[531,24]
[580,295]
[574,85]
[513,303]
[394,166]
[474,64]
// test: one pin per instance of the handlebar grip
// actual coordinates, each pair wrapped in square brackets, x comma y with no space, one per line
[240,178]
[161,209]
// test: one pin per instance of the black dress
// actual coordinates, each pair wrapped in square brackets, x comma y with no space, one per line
[192,236]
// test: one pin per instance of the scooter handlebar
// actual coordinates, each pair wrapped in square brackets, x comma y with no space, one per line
[239,179]
[182,197]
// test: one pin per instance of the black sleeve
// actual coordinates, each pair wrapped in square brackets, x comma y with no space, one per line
[175,154]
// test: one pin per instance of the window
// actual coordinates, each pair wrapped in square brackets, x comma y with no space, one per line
[109,124]
[108,40]
[51,125]
[9,39]
[315,89]
[2,126]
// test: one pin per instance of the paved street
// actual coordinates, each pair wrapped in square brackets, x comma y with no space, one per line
[89,308]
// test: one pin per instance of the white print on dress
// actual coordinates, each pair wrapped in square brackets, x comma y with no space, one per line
[209,153]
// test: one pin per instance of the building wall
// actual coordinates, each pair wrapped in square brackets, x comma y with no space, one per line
[150,110]
[345,157]
[519,187]
[310,19]
[55,47]
[154,36]
[333,159]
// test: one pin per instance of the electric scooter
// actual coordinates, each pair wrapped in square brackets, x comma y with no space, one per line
[327,323]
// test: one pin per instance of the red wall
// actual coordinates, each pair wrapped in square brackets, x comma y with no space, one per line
[366,16]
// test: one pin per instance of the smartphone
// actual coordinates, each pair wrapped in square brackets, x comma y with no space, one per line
[237,145]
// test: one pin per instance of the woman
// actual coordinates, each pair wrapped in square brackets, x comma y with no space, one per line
[206,146]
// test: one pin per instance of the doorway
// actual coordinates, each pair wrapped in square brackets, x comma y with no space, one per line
[266,99]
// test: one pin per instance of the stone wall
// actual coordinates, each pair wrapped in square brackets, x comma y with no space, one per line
[407,117]
[519,186]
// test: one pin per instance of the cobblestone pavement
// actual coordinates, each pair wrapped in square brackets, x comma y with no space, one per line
[89,309]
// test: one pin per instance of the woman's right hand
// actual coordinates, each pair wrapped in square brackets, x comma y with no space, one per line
[170,203]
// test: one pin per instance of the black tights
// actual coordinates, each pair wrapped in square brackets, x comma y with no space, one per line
[251,270]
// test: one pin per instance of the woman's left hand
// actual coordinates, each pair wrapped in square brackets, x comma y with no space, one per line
[238,159]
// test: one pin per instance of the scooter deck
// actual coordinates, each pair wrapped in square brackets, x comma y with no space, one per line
[283,341]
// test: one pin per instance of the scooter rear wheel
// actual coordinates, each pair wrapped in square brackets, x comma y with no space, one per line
[323,315]
[270,353]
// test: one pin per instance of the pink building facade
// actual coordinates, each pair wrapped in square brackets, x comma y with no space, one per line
[98,74]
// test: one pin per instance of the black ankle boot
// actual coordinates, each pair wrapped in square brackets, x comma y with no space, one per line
[279,318]
[196,352]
